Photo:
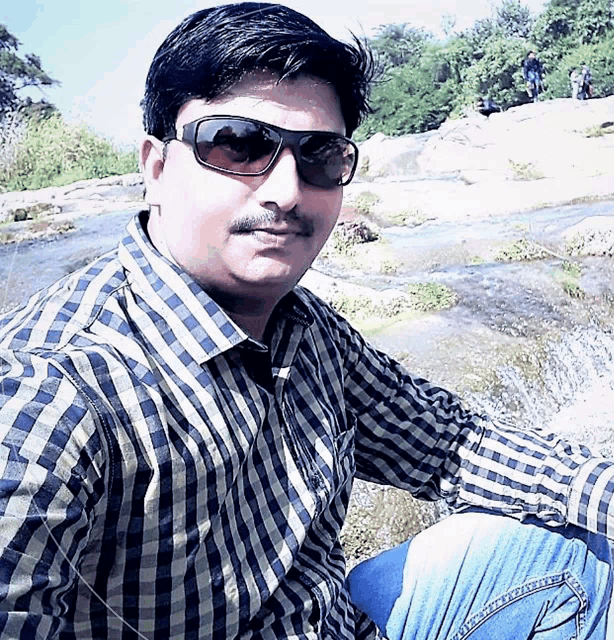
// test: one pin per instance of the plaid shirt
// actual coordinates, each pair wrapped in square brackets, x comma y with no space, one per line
[163,472]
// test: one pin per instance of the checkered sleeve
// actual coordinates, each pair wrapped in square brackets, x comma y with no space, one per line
[50,482]
[417,436]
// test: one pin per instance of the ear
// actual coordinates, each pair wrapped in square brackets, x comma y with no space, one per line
[152,167]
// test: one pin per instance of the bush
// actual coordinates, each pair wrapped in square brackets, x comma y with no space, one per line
[412,98]
[54,153]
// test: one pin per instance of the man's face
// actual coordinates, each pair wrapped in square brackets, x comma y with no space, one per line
[202,212]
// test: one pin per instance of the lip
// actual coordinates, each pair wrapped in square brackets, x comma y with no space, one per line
[279,231]
[276,237]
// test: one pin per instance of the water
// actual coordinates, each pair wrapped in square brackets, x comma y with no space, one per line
[570,390]
[29,266]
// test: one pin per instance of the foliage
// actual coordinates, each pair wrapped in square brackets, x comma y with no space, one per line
[364,202]
[411,98]
[513,19]
[396,45]
[431,296]
[52,152]
[520,250]
[598,130]
[593,21]
[13,128]
[566,24]
[525,171]
[17,74]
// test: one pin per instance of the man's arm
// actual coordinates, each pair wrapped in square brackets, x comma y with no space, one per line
[417,436]
[50,470]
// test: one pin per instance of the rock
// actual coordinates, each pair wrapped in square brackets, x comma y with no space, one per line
[85,196]
[356,232]
[384,156]
[381,517]
[536,155]
[31,212]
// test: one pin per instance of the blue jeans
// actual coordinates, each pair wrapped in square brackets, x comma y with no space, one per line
[479,576]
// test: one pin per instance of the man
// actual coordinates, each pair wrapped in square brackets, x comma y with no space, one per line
[532,72]
[181,423]
[574,78]
[585,82]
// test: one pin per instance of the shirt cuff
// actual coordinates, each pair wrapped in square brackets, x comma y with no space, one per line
[591,497]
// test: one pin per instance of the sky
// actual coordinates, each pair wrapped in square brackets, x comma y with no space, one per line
[100,50]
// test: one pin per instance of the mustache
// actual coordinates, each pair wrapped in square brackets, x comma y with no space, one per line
[265,217]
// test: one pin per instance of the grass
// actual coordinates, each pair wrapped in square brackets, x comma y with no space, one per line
[598,242]
[599,130]
[365,201]
[423,297]
[346,237]
[525,171]
[431,296]
[405,217]
[569,277]
[521,250]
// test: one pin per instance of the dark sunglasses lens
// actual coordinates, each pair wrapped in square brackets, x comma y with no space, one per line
[236,145]
[327,161]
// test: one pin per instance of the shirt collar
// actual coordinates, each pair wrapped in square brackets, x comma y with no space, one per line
[204,329]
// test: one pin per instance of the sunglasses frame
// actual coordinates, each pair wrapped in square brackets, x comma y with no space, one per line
[289,139]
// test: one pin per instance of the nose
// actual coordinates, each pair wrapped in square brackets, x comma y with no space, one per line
[281,185]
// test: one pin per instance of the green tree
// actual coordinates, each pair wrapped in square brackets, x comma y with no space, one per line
[398,44]
[19,73]
[593,21]
[453,58]
[566,24]
[514,19]
[411,98]
[480,34]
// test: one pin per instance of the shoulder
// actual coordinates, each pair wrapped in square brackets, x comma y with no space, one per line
[51,317]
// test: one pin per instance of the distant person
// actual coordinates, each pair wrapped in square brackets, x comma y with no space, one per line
[533,73]
[487,107]
[574,78]
[181,423]
[586,86]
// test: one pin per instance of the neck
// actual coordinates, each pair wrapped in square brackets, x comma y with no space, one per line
[251,314]
[255,327]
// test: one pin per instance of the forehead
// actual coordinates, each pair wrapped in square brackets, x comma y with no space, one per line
[302,103]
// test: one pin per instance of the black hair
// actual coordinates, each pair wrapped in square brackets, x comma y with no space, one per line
[214,49]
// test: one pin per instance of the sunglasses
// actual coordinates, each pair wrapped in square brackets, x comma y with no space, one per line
[246,147]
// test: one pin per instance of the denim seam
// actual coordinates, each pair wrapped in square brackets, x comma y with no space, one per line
[533,586]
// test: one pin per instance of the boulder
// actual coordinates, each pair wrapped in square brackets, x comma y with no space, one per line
[384,156]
